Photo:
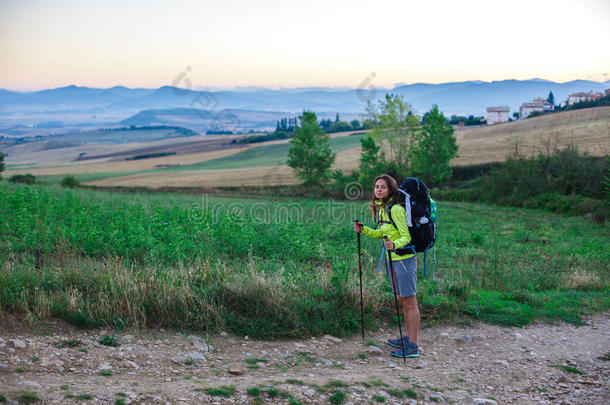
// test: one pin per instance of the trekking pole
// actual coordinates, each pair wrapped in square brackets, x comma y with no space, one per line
[402,343]
[360,272]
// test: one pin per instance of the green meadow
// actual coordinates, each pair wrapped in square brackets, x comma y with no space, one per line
[278,267]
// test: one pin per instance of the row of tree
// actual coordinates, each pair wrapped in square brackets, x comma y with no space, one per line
[400,144]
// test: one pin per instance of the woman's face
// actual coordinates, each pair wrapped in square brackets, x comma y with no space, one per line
[381,189]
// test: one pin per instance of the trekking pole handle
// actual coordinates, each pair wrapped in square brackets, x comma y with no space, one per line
[386,239]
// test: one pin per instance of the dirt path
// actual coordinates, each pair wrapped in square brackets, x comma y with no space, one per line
[464,365]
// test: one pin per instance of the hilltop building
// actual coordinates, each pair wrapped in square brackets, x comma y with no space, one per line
[581,96]
[496,115]
[538,104]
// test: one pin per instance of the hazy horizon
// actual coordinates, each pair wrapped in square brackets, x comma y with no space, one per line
[278,88]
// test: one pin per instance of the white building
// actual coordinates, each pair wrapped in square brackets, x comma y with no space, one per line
[538,104]
[579,97]
[496,115]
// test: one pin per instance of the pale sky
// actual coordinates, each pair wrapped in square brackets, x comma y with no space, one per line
[229,43]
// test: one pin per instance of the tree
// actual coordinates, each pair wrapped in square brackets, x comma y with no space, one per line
[551,98]
[355,124]
[310,155]
[372,161]
[435,147]
[70,182]
[1,163]
[393,123]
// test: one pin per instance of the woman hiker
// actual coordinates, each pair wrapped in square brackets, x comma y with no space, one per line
[385,192]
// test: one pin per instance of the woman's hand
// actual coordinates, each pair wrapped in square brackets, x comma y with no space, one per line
[358,227]
[389,245]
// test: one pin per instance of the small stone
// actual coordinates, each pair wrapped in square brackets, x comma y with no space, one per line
[18,343]
[484,401]
[196,356]
[105,367]
[131,364]
[518,335]
[168,379]
[224,334]
[373,349]
[384,394]
[465,339]
[178,359]
[236,370]
[246,337]
[333,339]
[127,338]
[309,393]
[31,384]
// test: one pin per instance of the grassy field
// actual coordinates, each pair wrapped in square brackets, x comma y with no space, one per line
[588,129]
[274,154]
[274,268]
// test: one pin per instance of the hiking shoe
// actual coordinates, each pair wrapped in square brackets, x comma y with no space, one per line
[396,342]
[411,350]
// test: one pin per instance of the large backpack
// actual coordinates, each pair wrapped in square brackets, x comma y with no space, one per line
[421,217]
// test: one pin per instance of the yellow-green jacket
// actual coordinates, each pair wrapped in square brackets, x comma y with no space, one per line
[400,236]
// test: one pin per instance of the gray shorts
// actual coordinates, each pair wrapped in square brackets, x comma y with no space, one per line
[405,276]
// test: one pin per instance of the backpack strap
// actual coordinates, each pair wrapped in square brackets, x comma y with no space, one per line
[389,211]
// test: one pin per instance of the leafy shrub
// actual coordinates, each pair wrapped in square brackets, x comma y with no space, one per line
[23,178]
[70,182]
[111,341]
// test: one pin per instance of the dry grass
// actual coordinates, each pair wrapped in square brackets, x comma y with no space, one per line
[266,175]
[588,129]
[582,279]
[103,165]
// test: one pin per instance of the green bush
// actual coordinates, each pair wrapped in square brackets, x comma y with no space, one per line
[70,182]
[23,178]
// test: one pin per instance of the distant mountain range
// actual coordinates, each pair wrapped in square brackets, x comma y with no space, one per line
[106,105]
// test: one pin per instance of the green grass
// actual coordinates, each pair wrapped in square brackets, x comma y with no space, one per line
[337,397]
[336,384]
[569,369]
[378,398]
[67,343]
[224,391]
[20,370]
[85,397]
[106,373]
[254,391]
[111,341]
[376,382]
[28,397]
[98,258]
[254,360]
